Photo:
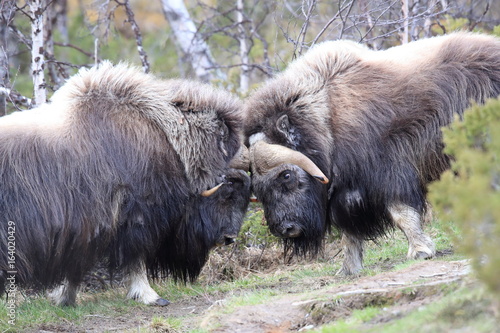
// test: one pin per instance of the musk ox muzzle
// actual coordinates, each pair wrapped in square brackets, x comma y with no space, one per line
[228,205]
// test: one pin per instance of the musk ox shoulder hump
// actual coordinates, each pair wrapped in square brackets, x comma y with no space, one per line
[118,85]
[326,58]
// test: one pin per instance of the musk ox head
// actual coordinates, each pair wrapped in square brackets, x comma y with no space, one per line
[209,221]
[289,160]
[225,204]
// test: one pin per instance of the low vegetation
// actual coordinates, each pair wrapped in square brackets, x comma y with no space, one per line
[469,193]
[239,279]
[235,278]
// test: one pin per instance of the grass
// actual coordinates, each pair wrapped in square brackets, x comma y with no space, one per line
[162,324]
[255,288]
[352,323]
[38,310]
[468,308]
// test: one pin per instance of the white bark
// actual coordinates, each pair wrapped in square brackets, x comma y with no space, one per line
[244,76]
[37,58]
[405,9]
[191,43]
[7,10]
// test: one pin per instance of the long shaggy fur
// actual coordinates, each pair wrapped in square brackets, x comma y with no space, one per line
[115,165]
[371,121]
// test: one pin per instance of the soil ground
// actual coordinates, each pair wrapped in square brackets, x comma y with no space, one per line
[296,307]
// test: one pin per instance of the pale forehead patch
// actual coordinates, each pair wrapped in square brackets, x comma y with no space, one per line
[256,137]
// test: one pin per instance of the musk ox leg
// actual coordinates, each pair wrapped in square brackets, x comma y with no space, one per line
[353,255]
[406,218]
[140,290]
[65,294]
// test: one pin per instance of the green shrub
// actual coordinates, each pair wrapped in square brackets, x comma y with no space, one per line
[469,193]
[254,231]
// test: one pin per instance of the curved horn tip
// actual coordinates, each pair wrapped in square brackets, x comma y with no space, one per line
[322,179]
[211,191]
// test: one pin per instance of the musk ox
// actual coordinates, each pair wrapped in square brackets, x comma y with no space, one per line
[124,167]
[349,137]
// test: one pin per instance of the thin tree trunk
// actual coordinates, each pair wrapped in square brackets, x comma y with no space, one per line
[62,20]
[6,16]
[138,36]
[50,21]
[244,76]
[191,43]
[405,9]
[37,57]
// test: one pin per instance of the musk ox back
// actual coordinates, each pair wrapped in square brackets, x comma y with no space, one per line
[119,164]
[350,137]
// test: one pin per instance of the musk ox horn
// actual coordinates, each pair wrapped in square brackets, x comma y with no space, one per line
[266,156]
[241,160]
[211,191]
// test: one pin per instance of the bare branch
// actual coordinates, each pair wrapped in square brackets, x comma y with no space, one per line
[25,40]
[325,27]
[349,8]
[474,23]
[303,30]
[88,54]
[138,35]
[15,97]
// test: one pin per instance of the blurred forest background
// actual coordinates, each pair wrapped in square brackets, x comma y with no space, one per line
[234,44]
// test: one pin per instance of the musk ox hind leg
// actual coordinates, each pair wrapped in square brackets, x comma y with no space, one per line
[139,288]
[406,218]
[353,255]
[65,294]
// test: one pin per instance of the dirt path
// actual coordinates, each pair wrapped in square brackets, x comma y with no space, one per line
[401,291]
[317,302]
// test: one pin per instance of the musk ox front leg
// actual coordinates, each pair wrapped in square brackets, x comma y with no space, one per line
[140,290]
[406,218]
[65,294]
[353,255]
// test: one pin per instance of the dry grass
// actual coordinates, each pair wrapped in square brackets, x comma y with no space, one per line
[235,263]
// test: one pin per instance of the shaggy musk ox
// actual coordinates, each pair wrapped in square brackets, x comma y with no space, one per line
[121,166]
[350,137]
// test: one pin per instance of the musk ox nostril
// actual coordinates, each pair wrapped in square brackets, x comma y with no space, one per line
[291,231]
[229,240]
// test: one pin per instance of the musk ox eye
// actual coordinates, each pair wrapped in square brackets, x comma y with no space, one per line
[286,174]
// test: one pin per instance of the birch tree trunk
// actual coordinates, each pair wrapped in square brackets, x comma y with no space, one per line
[244,76]
[37,58]
[405,9]
[6,16]
[191,43]
[50,20]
